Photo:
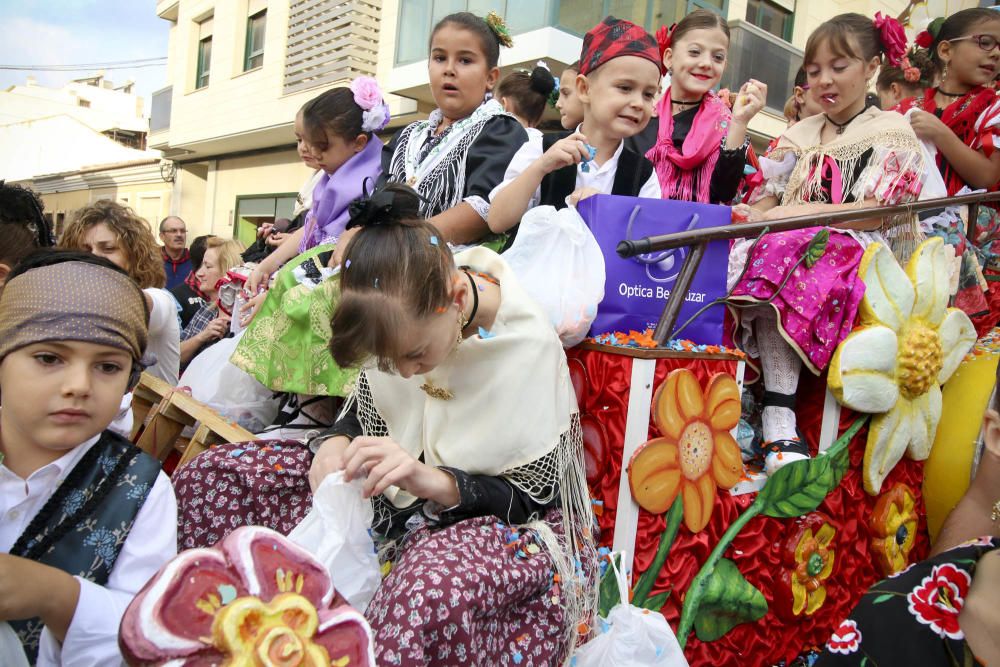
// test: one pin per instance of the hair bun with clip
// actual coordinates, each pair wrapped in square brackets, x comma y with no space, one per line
[386,205]
[499,28]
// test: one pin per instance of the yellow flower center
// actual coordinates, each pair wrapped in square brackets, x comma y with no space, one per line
[919,361]
[278,633]
[695,446]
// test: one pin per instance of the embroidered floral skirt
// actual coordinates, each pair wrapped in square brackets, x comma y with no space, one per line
[478,592]
[259,483]
[817,306]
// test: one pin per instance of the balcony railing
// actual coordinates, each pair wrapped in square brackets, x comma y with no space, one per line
[330,42]
[757,54]
[417,17]
[159,111]
[697,239]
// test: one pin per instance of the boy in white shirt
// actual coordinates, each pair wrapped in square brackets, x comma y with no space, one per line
[85,517]
[620,70]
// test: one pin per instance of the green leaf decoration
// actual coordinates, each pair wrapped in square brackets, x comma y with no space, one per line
[882,598]
[728,600]
[609,595]
[656,602]
[817,247]
[799,487]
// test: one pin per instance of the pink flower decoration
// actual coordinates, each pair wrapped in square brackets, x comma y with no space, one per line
[366,92]
[846,639]
[939,598]
[254,594]
[893,38]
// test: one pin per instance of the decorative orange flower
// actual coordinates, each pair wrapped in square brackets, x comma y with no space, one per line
[696,453]
[810,561]
[893,523]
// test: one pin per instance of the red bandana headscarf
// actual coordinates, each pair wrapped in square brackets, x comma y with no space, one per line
[614,38]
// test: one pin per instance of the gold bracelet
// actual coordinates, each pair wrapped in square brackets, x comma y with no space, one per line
[995,514]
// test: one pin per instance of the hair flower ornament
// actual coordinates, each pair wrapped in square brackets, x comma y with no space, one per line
[368,96]
[892,36]
[910,73]
[499,28]
[663,38]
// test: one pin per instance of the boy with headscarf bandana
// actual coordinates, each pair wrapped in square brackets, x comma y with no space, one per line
[85,517]
[619,80]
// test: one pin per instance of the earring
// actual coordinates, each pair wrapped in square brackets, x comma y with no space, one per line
[944,72]
[670,71]
[462,323]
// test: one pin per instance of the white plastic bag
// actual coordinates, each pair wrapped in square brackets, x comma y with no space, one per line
[558,262]
[229,390]
[336,532]
[634,637]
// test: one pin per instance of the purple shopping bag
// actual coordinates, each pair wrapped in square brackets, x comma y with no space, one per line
[637,288]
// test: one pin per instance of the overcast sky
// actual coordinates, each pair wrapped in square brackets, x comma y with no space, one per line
[62,32]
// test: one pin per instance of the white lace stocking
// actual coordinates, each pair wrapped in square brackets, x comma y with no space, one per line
[781,366]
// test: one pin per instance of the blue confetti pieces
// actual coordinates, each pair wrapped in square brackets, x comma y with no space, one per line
[347,264]
[434,240]
[486,335]
[518,658]
[236,453]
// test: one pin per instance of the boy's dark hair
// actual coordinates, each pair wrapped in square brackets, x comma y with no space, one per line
[336,112]
[399,268]
[488,39]
[958,25]
[23,226]
[699,19]
[197,250]
[53,256]
[920,59]
[844,33]
[528,91]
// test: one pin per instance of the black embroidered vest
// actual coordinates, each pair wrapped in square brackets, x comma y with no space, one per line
[82,528]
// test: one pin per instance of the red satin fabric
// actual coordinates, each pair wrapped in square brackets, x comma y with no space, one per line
[757,549]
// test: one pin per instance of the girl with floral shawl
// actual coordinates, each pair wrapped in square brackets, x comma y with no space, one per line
[849,156]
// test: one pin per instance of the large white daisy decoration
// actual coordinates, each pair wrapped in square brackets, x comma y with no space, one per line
[908,344]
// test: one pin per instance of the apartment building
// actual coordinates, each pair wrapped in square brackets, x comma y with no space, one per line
[239,70]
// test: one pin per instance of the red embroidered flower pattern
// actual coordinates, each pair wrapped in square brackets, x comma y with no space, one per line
[939,598]
[846,639]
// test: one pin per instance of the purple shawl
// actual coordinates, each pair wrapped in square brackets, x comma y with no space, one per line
[328,216]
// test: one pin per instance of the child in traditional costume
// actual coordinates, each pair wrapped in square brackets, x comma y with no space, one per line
[618,82]
[961,117]
[459,154]
[489,515]
[846,157]
[701,146]
[85,517]
[285,345]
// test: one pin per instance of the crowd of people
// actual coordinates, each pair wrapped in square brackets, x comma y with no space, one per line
[403,350]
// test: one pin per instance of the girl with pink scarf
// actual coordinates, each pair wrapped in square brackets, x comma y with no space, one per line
[701,146]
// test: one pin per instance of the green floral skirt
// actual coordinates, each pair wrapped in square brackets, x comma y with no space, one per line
[285,346]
